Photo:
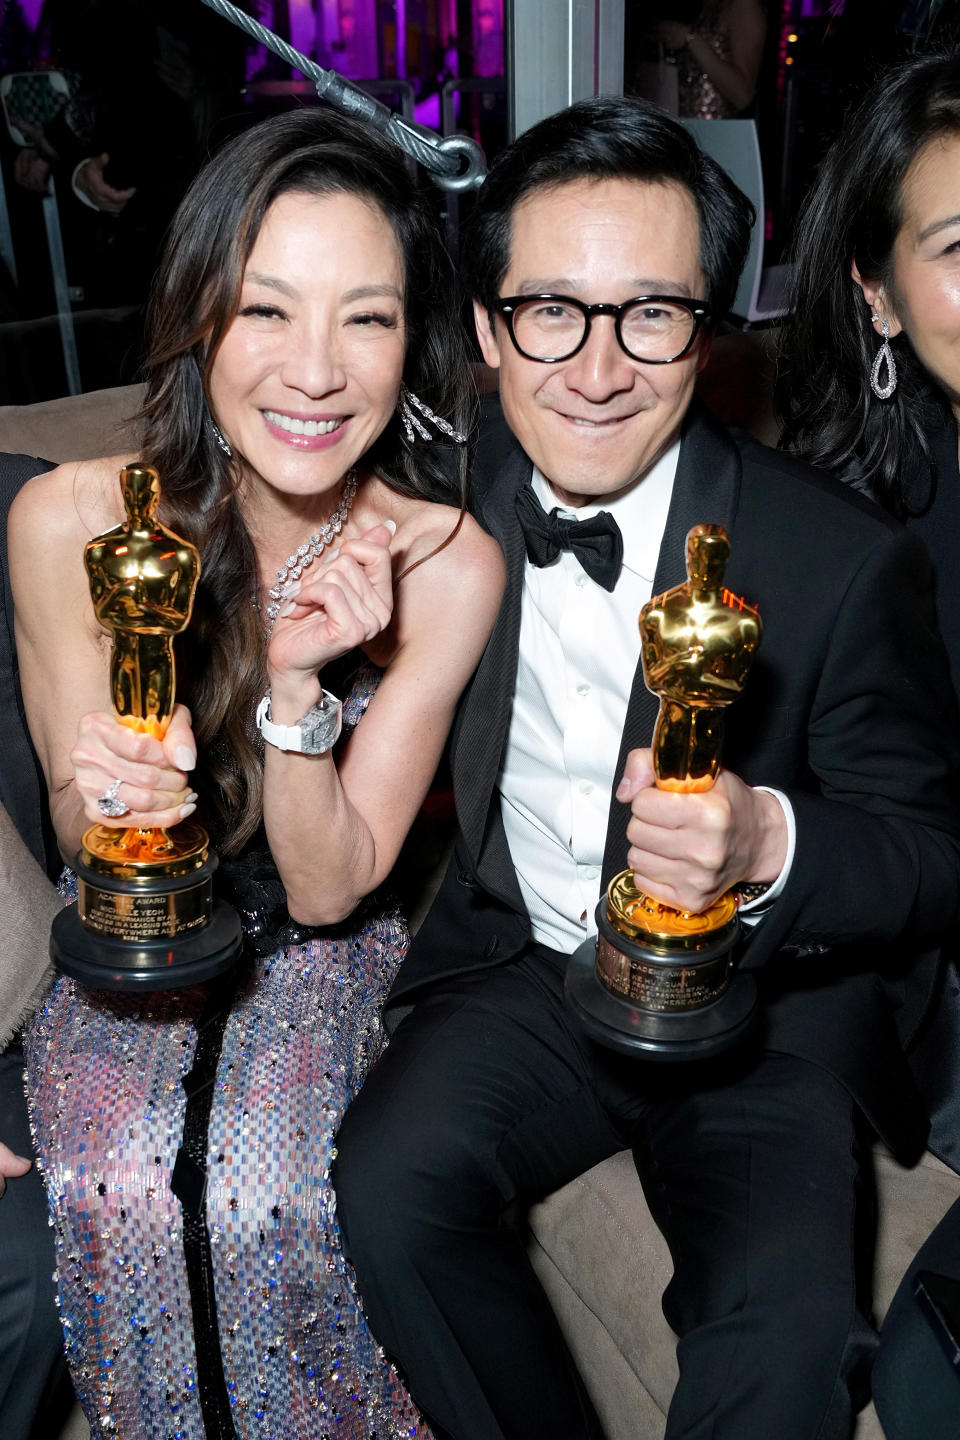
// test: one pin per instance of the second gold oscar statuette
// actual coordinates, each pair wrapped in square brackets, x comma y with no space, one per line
[661,982]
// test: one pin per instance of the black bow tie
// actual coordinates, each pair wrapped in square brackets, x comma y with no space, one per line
[596,543]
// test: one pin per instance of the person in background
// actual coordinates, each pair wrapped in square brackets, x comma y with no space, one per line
[719,56]
[155,82]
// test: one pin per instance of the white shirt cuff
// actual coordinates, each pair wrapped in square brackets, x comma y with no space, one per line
[84,199]
[754,910]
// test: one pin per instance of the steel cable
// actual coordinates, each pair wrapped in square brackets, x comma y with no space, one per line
[454,163]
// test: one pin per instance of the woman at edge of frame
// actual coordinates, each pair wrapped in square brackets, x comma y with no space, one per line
[869,388]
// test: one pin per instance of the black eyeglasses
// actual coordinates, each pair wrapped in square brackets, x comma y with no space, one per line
[653,328]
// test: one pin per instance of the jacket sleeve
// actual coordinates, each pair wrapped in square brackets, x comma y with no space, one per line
[878,829]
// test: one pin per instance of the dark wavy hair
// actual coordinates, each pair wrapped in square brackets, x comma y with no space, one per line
[610,138]
[854,212]
[195,297]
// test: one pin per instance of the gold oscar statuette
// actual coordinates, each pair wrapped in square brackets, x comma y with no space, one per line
[660,981]
[146,917]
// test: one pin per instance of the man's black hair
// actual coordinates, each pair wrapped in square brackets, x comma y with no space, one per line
[610,138]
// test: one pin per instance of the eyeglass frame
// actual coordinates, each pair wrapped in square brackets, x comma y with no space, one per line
[699,310]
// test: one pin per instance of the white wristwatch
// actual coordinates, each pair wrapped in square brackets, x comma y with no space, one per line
[314,733]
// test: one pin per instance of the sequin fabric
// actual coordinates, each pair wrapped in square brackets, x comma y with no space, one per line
[699,98]
[107,1107]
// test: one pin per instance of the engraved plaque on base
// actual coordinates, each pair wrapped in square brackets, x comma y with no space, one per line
[643,995]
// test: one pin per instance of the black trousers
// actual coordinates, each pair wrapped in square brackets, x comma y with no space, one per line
[488,1093]
[35,1391]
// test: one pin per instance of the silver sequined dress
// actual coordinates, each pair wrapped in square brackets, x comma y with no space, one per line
[107,1105]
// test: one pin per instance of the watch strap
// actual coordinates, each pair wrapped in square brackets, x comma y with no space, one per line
[315,733]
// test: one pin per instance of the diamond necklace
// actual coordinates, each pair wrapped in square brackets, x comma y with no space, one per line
[303,557]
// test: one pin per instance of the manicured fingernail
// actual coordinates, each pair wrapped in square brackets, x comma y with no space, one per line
[287,608]
[331,555]
[391,526]
[192,798]
[186,810]
[625,789]
[291,588]
[184,757]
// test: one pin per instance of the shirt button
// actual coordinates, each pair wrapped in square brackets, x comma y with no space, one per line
[581,580]
[590,872]
[583,688]
[585,787]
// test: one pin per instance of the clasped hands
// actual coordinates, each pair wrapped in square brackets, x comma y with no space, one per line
[342,601]
[687,850]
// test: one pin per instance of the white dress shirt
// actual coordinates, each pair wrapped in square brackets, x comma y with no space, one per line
[579,649]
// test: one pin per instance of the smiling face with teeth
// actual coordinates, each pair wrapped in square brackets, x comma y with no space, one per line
[596,423]
[308,372]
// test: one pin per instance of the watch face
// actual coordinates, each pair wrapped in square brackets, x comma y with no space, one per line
[314,733]
[320,727]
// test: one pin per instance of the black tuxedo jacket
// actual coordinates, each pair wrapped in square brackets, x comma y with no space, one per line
[848,710]
[933,500]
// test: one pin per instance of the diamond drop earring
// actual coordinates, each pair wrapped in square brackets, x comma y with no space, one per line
[884,356]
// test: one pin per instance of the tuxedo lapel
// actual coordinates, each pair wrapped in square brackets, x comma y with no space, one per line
[486,714]
[706,491]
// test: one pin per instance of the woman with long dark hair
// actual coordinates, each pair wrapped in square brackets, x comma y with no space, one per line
[869,383]
[870,389]
[304,351]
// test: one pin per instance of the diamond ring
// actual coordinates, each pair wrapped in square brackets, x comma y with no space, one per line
[108,804]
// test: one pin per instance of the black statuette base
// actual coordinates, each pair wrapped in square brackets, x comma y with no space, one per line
[665,1035]
[104,963]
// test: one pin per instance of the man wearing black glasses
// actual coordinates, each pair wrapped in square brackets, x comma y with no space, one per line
[605,250]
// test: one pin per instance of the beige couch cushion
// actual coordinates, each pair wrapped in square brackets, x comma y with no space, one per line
[605,1266]
[78,427]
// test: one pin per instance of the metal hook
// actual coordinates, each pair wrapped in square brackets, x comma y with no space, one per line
[473,171]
